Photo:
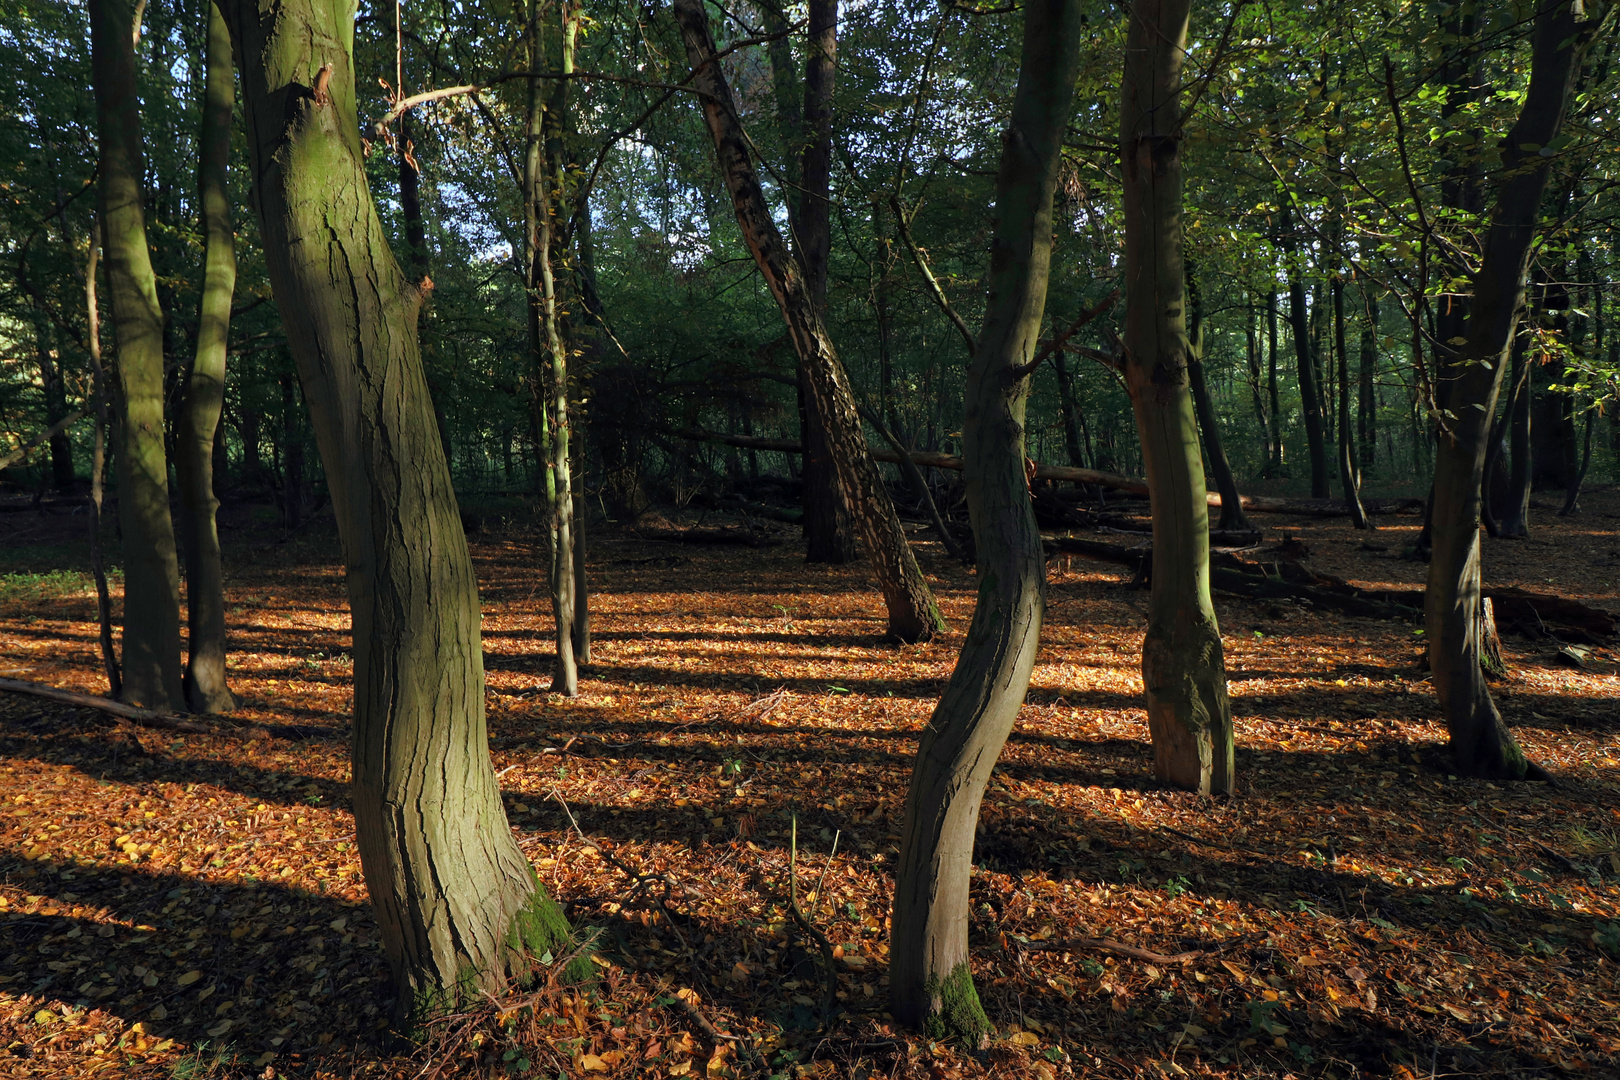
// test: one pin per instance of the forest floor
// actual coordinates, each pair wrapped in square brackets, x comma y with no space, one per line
[189,905]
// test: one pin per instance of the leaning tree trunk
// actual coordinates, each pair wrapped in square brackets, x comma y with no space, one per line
[457,904]
[151,667]
[1274,467]
[913,615]
[1481,745]
[198,424]
[1349,467]
[1233,519]
[1183,666]
[930,976]
[1514,520]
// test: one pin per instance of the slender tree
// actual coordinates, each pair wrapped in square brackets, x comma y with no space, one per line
[198,422]
[151,653]
[930,978]
[1481,744]
[1349,467]
[1183,665]
[457,905]
[913,615]
[1233,518]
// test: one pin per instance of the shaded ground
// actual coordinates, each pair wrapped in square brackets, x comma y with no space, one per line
[193,905]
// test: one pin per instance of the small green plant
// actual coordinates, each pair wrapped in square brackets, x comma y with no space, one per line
[1177,886]
[1261,1020]
[787,615]
[732,767]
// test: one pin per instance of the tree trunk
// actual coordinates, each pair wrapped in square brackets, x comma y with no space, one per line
[1233,519]
[1067,409]
[1183,666]
[55,394]
[1274,398]
[1514,520]
[205,685]
[457,905]
[1481,744]
[98,452]
[151,667]
[1366,389]
[1299,320]
[1252,356]
[912,613]
[930,975]
[1349,467]
[549,194]
[1572,497]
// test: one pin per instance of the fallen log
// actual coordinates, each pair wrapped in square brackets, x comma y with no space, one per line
[742,537]
[1071,474]
[162,721]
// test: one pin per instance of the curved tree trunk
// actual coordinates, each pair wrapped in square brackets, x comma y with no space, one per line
[913,615]
[1183,665]
[198,423]
[151,667]
[930,977]
[1481,745]
[458,907]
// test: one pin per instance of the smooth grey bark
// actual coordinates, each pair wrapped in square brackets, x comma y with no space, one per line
[1481,744]
[197,425]
[1183,663]
[913,615]
[151,640]
[930,974]
[458,908]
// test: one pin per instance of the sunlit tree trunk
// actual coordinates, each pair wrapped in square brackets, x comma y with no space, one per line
[1183,665]
[913,615]
[151,664]
[1481,744]
[930,975]
[198,422]
[457,905]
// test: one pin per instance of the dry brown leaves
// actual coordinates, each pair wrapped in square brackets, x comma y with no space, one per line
[192,906]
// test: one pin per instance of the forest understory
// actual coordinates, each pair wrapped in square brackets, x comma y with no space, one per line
[190,904]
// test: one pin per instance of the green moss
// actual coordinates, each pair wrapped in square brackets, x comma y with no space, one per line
[541,929]
[954,1011]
